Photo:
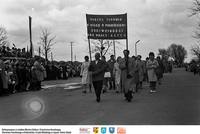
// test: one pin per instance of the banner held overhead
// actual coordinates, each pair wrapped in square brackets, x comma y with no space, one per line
[107,26]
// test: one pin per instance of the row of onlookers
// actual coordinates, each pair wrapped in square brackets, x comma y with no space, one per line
[20,74]
[193,66]
[13,52]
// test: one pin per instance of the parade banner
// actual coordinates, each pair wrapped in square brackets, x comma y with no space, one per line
[107,26]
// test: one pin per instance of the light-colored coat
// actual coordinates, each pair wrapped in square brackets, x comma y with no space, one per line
[85,72]
[39,71]
[141,69]
[151,66]
[128,84]
[117,73]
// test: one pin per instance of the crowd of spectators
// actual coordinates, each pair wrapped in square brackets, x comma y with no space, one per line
[193,66]
[13,52]
[19,72]
[59,71]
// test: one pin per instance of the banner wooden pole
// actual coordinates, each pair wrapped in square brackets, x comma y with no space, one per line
[127,43]
[126,32]
[90,49]
[114,48]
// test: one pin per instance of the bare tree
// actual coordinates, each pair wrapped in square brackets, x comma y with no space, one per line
[3,36]
[196,51]
[46,42]
[195,9]
[102,46]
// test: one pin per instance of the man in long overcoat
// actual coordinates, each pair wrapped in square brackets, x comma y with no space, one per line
[128,69]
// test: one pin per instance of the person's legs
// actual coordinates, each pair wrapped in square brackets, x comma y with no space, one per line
[140,84]
[117,88]
[137,87]
[98,87]
[112,83]
[100,84]
[154,86]
[84,88]
[159,81]
[95,85]
[28,86]
[105,85]
[90,88]
[151,86]
[128,95]
[39,85]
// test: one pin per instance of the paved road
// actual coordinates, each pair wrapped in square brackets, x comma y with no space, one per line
[176,102]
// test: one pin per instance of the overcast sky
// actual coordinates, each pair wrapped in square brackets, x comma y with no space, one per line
[157,23]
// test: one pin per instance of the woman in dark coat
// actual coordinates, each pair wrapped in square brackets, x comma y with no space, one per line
[159,70]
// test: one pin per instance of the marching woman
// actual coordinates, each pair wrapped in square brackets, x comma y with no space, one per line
[160,70]
[85,74]
[141,71]
[152,64]
[107,75]
[117,75]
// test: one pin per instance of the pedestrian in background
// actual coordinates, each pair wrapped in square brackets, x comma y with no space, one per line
[136,75]
[85,74]
[111,63]
[152,64]
[159,70]
[141,71]
[107,75]
[117,75]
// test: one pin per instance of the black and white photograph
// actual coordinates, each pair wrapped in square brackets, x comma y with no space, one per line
[100,62]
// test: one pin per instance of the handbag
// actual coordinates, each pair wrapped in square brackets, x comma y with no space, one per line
[107,75]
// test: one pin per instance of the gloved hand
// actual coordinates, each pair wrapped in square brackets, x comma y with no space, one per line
[129,76]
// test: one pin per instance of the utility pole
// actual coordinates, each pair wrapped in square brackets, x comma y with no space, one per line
[30,32]
[71,51]
[136,47]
